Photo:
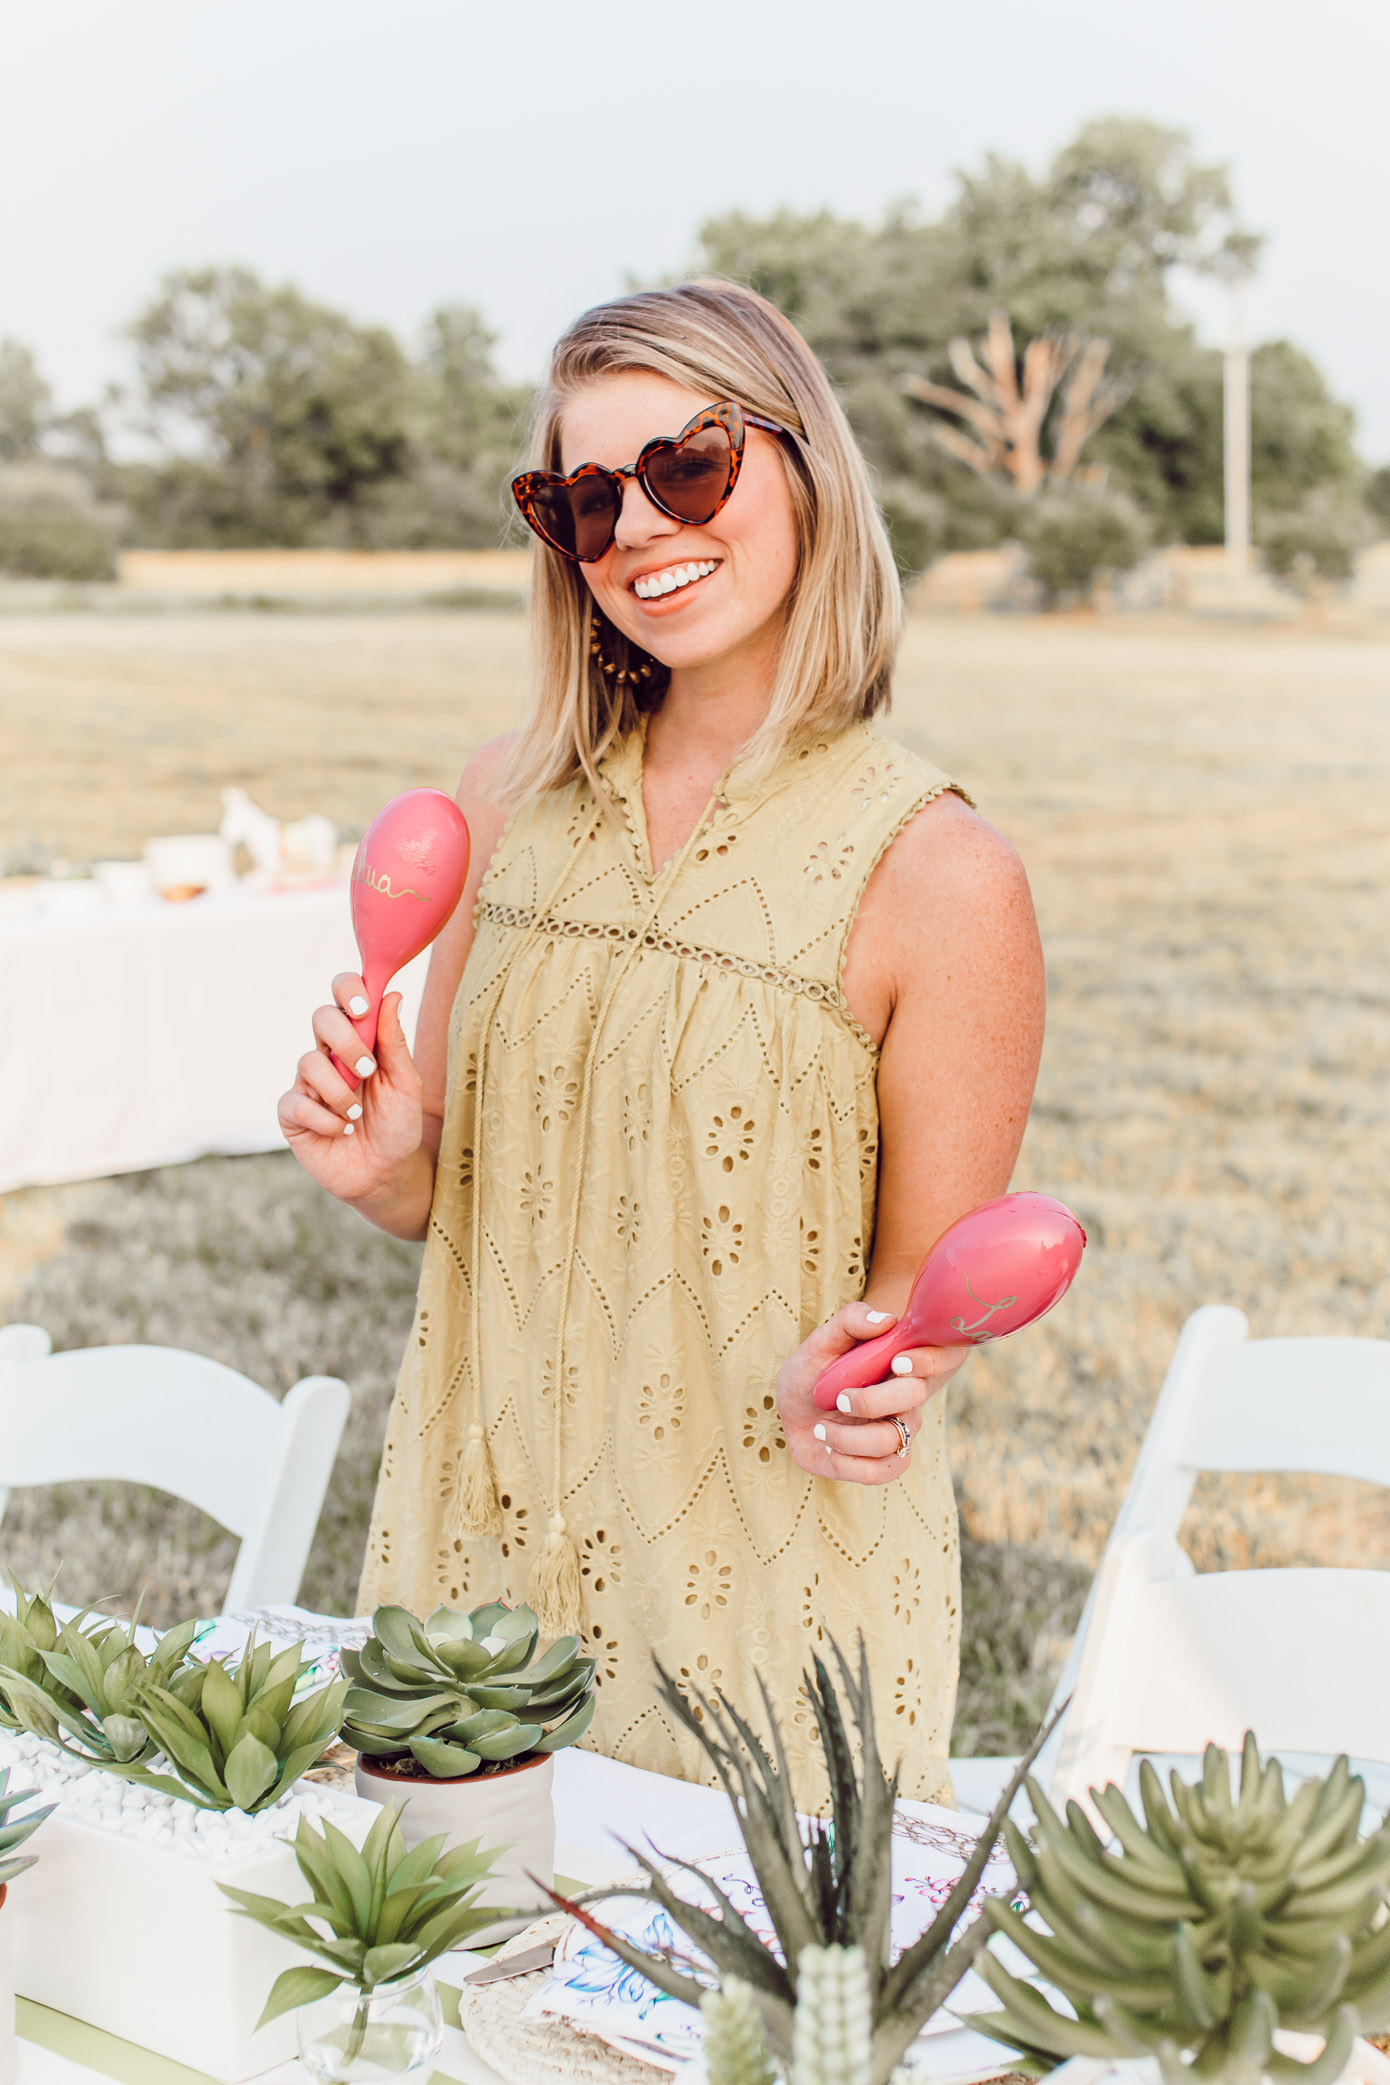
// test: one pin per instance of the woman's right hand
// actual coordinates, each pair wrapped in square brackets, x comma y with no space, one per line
[359,1145]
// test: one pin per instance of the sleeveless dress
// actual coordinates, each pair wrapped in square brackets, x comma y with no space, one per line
[657,1175]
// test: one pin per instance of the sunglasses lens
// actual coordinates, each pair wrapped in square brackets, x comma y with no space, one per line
[690,478]
[578,518]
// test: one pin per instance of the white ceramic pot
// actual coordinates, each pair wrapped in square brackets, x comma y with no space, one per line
[136,1938]
[512,1809]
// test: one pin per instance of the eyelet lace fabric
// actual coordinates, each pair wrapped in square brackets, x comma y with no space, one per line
[657,1175]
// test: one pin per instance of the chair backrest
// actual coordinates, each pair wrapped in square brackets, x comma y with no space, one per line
[1229,1402]
[187,1425]
[1174,1660]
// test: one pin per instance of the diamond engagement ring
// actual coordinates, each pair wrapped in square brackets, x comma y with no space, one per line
[902,1427]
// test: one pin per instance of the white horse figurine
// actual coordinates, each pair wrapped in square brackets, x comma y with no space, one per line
[306,845]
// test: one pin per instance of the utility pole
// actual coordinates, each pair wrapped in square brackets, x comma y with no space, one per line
[1236,395]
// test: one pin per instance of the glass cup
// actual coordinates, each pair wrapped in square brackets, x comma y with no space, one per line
[352,2038]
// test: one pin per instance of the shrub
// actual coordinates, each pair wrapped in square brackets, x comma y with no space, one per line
[52,527]
[1072,535]
[1315,545]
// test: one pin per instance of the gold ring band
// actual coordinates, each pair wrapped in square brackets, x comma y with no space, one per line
[905,1435]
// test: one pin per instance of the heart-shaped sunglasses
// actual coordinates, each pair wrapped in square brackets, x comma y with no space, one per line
[688,476]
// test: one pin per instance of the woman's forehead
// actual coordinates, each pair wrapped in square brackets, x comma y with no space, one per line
[610,419]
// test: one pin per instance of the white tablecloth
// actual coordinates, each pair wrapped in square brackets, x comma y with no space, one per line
[140,1035]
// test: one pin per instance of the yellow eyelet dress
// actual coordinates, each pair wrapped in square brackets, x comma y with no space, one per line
[657,1176]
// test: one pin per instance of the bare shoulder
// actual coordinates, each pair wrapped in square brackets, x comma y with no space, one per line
[949,893]
[479,784]
[478,797]
[947,864]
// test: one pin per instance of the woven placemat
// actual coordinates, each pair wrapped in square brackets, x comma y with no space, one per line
[541,2052]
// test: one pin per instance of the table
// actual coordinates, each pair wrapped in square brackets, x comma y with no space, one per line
[144,1034]
[594,1799]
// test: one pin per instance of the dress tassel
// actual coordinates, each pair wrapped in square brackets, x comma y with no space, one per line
[475,1509]
[554,1588]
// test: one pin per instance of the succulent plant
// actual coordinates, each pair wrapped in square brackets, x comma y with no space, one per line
[388,1911]
[827,1890]
[832,2029]
[15,1830]
[235,1736]
[1204,1927]
[24,1636]
[457,1693]
[82,1691]
[734,2050]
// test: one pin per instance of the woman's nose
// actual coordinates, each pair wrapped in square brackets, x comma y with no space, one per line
[639,521]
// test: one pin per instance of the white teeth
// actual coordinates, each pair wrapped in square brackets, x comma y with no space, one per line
[655,584]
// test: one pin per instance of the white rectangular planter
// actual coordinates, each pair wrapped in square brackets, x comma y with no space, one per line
[135,1937]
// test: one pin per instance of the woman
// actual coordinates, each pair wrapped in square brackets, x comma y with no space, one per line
[742,1006]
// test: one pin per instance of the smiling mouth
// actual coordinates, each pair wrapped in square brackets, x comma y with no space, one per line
[654,586]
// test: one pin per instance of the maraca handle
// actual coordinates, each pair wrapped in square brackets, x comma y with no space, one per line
[366,1028]
[863,1364]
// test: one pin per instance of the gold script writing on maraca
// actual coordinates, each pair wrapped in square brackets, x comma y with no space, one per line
[363,872]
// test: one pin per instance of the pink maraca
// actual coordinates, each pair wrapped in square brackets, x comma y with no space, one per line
[992,1272]
[406,880]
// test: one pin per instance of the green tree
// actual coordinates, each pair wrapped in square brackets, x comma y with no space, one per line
[467,433]
[277,415]
[25,400]
[1378,499]
[1089,247]
[1301,437]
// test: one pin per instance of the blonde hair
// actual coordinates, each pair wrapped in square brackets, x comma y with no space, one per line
[845,610]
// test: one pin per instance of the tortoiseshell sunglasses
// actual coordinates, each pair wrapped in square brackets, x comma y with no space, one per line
[689,476]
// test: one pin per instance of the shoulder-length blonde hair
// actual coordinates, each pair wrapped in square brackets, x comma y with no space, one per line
[845,612]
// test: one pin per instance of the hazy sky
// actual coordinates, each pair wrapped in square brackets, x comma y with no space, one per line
[393,156]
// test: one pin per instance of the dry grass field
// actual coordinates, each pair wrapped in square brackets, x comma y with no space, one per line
[1202,810]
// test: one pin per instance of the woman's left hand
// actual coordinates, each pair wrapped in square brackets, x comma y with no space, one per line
[859,1444]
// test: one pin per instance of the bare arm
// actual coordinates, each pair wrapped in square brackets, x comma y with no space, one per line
[945,970]
[381,1157]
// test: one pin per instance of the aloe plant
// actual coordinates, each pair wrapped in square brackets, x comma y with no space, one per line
[827,1887]
[457,1693]
[15,1830]
[234,1735]
[83,1691]
[388,1912]
[1202,1928]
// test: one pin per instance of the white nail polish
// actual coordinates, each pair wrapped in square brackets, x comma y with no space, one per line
[879,1317]
[358,1006]
[819,1432]
[349,1129]
[902,1364]
[364,1067]
[354,1113]
[842,1401]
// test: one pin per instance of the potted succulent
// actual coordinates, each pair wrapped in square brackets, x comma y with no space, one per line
[235,1736]
[376,1918]
[79,1687]
[827,1998]
[13,1832]
[166,1772]
[1202,1930]
[459,1716]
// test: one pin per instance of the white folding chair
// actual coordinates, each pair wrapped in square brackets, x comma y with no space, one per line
[155,1415]
[1313,1407]
[1319,1406]
[1175,1660]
